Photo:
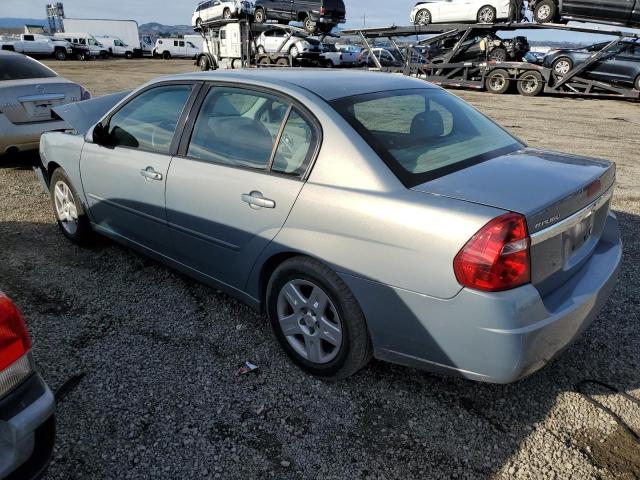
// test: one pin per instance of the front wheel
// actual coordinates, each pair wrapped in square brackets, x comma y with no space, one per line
[166,55]
[530,84]
[61,55]
[294,52]
[203,63]
[310,26]
[498,81]
[545,11]
[636,84]
[317,320]
[128,55]
[226,14]
[487,14]
[562,66]
[72,220]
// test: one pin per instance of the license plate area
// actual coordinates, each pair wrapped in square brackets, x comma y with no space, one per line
[578,235]
[41,109]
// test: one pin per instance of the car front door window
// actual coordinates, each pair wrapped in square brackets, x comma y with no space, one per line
[148,122]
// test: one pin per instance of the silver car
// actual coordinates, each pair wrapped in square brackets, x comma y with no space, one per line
[28,91]
[290,41]
[367,214]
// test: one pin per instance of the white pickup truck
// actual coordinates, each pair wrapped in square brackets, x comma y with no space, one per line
[36,45]
[333,56]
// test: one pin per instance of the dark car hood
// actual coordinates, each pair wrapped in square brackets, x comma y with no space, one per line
[529,181]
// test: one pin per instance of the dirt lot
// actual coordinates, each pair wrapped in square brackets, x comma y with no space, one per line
[148,358]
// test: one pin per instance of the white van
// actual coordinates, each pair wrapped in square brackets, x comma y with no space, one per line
[96,49]
[116,47]
[175,47]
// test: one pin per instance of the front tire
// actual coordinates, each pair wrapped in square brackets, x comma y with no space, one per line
[545,11]
[128,55]
[72,220]
[487,14]
[423,17]
[636,84]
[166,55]
[61,55]
[317,320]
[562,66]
[309,25]
[226,14]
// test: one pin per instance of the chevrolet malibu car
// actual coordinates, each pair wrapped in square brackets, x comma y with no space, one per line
[27,425]
[444,11]
[365,213]
[28,90]
[620,65]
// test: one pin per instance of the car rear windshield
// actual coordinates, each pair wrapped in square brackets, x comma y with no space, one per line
[18,67]
[425,133]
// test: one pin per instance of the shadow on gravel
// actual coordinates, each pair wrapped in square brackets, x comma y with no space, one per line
[176,393]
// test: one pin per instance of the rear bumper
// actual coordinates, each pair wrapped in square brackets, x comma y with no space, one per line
[492,337]
[25,136]
[27,430]
[327,19]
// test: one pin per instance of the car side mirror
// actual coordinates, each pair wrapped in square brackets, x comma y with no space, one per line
[99,134]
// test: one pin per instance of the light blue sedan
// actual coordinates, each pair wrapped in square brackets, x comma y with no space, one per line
[367,214]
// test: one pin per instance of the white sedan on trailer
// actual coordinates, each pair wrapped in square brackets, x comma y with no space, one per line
[448,11]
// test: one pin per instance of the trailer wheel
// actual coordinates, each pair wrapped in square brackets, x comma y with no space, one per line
[282,62]
[562,66]
[264,61]
[61,55]
[166,55]
[259,16]
[545,11]
[530,84]
[498,81]
[294,51]
[423,17]
[487,14]
[203,63]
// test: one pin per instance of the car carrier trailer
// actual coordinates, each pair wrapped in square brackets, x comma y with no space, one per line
[231,44]
[495,76]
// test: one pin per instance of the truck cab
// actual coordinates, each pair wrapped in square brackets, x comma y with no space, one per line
[37,45]
[614,12]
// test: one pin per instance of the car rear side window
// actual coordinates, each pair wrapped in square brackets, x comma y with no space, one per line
[425,133]
[237,127]
[19,67]
[148,122]
[296,146]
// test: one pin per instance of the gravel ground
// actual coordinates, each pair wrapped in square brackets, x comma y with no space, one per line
[149,358]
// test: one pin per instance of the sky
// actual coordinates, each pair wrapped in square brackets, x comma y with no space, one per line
[376,12]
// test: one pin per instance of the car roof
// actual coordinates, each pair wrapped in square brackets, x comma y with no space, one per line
[328,84]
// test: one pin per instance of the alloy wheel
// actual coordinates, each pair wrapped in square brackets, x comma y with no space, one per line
[66,208]
[423,17]
[544,12]
[309,321]
[486,15]
[562,67]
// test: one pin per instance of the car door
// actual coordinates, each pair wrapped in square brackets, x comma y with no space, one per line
[124,174]
[618,11]
[236,178]
[619,66]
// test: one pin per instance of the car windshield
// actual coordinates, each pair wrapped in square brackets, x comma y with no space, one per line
[425,133]
[18,67]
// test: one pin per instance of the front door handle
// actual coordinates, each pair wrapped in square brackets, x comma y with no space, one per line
[256,200]
[150,174]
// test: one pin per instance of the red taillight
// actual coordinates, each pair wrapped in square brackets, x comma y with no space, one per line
[497,257]
[323,10]
[14,338]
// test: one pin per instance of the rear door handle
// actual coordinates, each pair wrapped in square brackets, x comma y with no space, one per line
[150,174]
[256,200]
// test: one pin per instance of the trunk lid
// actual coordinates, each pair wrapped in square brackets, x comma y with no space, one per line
[565,199]
[31,100]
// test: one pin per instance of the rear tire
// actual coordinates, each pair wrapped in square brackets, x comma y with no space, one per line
[128,55]
[423,17]
[530,84]
[325,308]
[545,11]
[259,16]
[309,25]
[282,62]
[67,205]
[166,55]
[498,81]
[226,14]
[486,14]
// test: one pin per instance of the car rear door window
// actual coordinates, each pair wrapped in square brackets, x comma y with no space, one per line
[148,122]
[19,67]
[296,146]
[233,129]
